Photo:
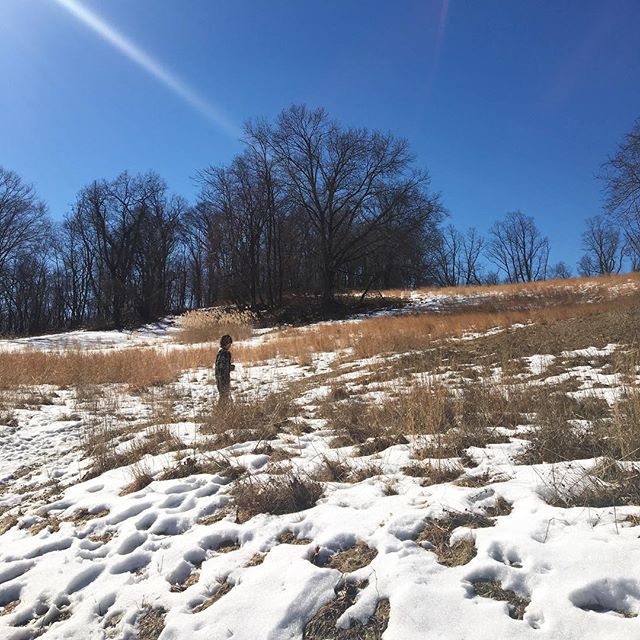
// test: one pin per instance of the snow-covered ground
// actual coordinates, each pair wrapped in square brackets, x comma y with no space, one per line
[80,559]
[145,336]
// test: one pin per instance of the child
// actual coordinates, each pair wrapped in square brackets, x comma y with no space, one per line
[223,369]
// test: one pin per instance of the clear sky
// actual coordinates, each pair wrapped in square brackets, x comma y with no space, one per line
[509,104]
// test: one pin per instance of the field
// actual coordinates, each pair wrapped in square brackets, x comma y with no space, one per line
[462,466]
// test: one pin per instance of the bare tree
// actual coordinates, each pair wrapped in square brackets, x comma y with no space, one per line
[25,240]
[621,175]
[22,217]
[457,257]
[350,184]
[560,271]
[472,245]
[603,246]
[449,257]
[128,226]
[517,248]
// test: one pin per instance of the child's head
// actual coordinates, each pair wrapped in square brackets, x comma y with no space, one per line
[226,341]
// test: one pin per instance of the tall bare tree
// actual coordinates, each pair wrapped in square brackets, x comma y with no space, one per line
[350,184]
[517,248]
[472,246]
[128,225]
[621,175]
[604,247]
[22,217]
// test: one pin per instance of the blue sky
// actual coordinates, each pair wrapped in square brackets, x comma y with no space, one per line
[509,104]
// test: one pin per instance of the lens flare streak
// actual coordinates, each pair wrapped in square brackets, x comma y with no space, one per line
[148,63]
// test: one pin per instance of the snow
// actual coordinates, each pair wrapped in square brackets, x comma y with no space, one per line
[145,336]
[91,577]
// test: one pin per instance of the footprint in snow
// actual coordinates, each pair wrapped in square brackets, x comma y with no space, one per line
[132,562]
[506,555]
[84,578]
[14,570]
[131,543]
[619,597]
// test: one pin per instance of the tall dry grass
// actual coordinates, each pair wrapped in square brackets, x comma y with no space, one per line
[408,332]
[139,368]
[144,367]
[209,325]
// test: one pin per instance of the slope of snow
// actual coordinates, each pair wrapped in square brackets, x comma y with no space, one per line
[90,576]
[147,335]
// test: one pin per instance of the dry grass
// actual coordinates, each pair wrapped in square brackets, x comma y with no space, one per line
[196,464]
[100,443]
[9,607]
[139,368]
[50,523]
[209,325]
[332,470]
[289,493]
[554,438]
[143,367]
[150,623]
[349,560]
[624,435]
[7,522]
[501,507]
[256,559]
[190,580]
[493,589]
[607,484]
[140,478]
[437,473]
[408,332]
[259,419]
[289,537]
[593,287]
[82,516]
[322,625]
[436,535]
[222,588]
[444,424]
[102,538]
[364,472]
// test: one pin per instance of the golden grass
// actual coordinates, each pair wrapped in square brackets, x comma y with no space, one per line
[209,325]
[625,426]
[352,559]
[595,284]
[140,367]
[607,484]
[144,367]
[415,331]
[150,623]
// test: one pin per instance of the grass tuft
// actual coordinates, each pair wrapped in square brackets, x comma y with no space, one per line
[493,589]
[289,493]
[322,625]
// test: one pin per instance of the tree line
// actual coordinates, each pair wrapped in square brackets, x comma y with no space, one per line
[307,207]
